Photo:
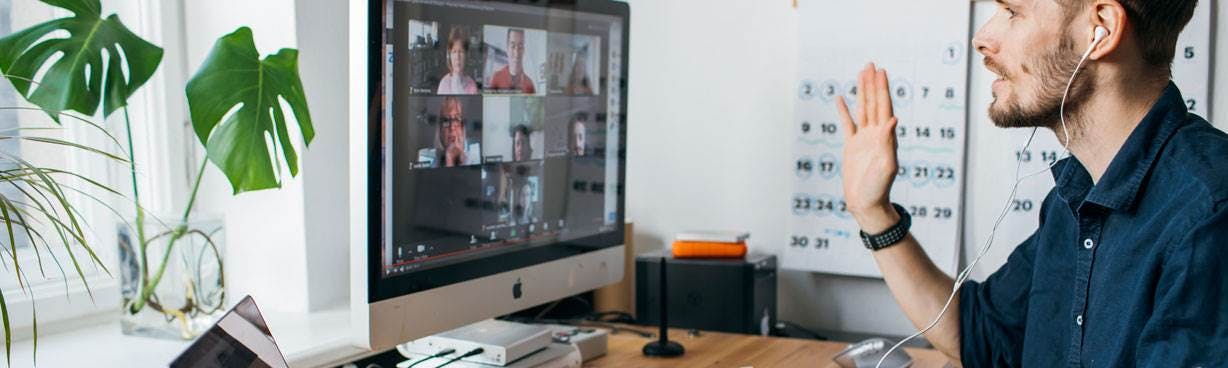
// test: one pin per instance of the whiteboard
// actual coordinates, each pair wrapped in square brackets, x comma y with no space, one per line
[994,151]
[927,61]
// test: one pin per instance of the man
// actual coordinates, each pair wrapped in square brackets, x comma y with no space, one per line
[522,148]
[513,76]
[1127,267]
[578,144]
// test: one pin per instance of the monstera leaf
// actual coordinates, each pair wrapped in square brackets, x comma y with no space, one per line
[78,80]
[238,143]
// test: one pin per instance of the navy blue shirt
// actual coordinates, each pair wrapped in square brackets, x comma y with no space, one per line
[1127,272]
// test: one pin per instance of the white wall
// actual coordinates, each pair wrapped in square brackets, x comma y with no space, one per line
[265,252]
[711,87]
[325,165]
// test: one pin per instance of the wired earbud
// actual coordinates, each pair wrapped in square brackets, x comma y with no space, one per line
[1100,34]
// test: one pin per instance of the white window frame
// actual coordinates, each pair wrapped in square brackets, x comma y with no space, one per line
[163,152]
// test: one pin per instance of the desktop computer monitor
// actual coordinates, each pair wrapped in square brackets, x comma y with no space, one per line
[494,157]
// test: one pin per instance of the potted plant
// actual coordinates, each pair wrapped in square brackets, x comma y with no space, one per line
[233,77]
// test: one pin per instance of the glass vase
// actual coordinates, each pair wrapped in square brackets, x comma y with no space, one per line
[172,282]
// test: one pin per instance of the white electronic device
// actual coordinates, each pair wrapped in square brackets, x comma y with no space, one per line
[592,342]
[713,236]
[501,342]
[554,356]
[433,248]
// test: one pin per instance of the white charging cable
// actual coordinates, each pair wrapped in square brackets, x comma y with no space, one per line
[963,275]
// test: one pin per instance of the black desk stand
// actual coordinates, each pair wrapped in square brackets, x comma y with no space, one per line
[663,347]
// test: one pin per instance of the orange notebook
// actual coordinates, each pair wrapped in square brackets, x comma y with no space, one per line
[684,249]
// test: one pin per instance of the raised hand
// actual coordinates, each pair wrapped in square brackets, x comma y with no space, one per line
[455,154]
[870,162]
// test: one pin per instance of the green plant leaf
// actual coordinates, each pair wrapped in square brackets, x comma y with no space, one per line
[238,143]
[78,80]
[8,333]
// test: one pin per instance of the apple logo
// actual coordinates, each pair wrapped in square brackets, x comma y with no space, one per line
[516,291]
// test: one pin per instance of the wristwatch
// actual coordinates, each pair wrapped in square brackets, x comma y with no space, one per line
[892,235]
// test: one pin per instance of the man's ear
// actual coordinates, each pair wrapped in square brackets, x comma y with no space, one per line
[1112,16]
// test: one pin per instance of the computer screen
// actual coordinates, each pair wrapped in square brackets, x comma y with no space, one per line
[502,132]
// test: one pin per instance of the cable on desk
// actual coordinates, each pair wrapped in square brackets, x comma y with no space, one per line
[440,354]
[463,356]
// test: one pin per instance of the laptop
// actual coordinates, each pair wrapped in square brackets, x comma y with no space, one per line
[240,338]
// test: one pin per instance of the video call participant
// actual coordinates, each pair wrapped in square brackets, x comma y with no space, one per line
[513,77]
[452,148]
[456,82]
[526,213]
[578,139]
[503,198]
[1127,266]
[578,83]
[522,147]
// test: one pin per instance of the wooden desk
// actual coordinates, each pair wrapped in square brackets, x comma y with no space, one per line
[713,349]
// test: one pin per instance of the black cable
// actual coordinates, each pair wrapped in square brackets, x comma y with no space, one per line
[613,326]
[463,356]
[448,351]
[617,317]
[803,329]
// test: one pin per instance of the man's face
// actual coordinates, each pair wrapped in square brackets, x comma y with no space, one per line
[515,51]
[1028,46]
[520,146]
[579,138]
[453,125]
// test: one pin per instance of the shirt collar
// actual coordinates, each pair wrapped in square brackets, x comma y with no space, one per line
[1119,187]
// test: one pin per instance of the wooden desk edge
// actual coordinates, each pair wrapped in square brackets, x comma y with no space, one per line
[716,349]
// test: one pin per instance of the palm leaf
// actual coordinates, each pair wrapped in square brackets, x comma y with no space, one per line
[234,75]
[78,80]
[8,342]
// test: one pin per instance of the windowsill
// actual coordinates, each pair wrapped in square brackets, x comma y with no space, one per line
[307,340]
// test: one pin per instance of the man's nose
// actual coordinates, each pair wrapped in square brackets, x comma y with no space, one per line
[984,41]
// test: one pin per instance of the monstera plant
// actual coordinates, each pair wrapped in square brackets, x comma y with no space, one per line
[235,104]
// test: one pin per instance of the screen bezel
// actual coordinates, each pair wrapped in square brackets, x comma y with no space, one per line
[380,288]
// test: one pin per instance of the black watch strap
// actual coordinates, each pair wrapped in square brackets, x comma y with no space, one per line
[892,235]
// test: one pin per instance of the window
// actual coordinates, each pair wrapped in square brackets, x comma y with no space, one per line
[57,290]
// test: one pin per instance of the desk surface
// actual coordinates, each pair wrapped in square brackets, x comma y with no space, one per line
[712,349]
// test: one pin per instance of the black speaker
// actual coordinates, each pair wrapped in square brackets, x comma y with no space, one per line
[725,295]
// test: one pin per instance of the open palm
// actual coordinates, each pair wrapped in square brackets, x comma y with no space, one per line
[870,163]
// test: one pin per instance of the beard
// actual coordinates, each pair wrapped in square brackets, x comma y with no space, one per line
[1052,70]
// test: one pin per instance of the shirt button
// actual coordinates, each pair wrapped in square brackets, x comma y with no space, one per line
[1079,320]
[1088,243]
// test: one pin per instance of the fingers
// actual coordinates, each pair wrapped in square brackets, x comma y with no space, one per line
[867,95]
[891,124]
[883,93]
[846,120]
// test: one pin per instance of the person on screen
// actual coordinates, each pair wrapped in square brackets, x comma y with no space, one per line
[513,77]
[452,148]
[522,148]
[579,83]
[525,210]
[1126,267]
[456,82]
[504,197]
[578,142]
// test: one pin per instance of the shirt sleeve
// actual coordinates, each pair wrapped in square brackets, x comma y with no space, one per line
[1189,326]
[993,313]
